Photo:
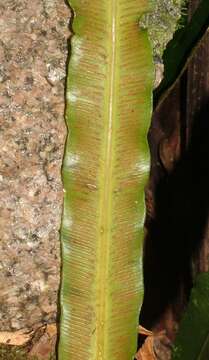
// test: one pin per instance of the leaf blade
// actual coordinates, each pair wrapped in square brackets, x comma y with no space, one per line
[105,168]
[192,342]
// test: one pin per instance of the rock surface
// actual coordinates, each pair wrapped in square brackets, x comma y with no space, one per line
[33,54]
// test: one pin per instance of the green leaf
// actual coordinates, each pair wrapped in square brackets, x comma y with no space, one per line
[192,342]
[106,164]
[180,49]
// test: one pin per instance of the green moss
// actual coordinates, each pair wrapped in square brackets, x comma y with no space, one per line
[162,22]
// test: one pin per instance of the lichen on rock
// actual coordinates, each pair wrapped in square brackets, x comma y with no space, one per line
[162,22]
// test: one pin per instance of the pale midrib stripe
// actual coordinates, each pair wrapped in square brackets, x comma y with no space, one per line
[106,201]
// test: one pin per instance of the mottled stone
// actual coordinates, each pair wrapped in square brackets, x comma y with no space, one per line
[162,21]
[33,53]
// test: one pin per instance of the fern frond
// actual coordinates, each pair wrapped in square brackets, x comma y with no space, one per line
[105,169]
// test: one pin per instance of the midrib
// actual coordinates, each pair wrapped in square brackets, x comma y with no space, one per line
[106,192]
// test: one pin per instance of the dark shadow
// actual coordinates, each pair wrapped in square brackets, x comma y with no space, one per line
[175,234]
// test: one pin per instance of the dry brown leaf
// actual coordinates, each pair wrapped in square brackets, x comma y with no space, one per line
[21,337]
[146,352]
[51,330]
[169,151]
[153,341]
[17,338]
[144,331]
[45,345]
